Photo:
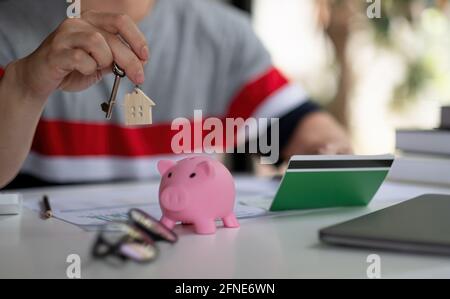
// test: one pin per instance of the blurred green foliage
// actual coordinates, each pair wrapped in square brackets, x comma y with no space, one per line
[426,54]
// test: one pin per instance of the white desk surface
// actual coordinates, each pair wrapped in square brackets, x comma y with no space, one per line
[269,247]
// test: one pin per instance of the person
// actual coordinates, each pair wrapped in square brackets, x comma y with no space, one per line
[186,55]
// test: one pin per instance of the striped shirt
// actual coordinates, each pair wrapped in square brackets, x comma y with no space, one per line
[204,55]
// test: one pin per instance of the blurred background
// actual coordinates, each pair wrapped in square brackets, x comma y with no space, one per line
[375,75]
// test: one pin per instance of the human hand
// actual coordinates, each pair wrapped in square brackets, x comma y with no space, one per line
[318,134]
[80,51]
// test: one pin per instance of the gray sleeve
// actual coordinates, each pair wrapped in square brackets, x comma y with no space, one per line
[260,89]
[231,31]
[250,57]
[7,28]
[24,24]
[242,55]
[6,50]
[236,57]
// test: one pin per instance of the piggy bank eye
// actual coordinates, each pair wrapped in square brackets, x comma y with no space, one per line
[169,175]
[192,175]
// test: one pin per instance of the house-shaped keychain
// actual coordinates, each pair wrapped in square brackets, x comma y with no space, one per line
[138,108]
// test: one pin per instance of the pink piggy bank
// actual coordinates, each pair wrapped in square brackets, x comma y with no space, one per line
[198,191]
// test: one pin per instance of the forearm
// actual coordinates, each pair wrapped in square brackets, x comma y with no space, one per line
[20,111]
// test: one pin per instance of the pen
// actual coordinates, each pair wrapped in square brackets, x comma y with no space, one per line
[48,213]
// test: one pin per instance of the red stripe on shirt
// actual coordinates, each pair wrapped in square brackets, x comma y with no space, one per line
[250,98]
[59,138]
[71,139]
[2,72]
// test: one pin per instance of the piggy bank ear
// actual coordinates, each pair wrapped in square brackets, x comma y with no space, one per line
[206,168]
[165,165]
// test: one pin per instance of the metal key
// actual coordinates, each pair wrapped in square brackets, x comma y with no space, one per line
[108,107]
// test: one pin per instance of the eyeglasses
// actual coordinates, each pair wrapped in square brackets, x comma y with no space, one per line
[133,240]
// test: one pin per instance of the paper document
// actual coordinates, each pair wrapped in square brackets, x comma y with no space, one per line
[92,206]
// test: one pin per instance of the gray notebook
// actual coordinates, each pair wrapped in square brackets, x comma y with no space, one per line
[420,225]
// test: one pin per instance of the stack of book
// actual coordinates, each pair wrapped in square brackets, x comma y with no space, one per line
[445,118]
[424,155]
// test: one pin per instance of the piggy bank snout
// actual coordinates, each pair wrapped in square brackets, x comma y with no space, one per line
[173,199]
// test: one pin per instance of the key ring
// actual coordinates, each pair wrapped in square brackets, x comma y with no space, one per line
[118,71]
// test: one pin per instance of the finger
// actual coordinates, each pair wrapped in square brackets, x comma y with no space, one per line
[71,60]
[336,149]
[126,59]
[105,71]
[346,150]
[329,149]
[124,26]
[77,82]
[93,43]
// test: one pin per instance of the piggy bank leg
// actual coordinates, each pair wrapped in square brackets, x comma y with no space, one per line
[169,223]
[205,227]
[230,221]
